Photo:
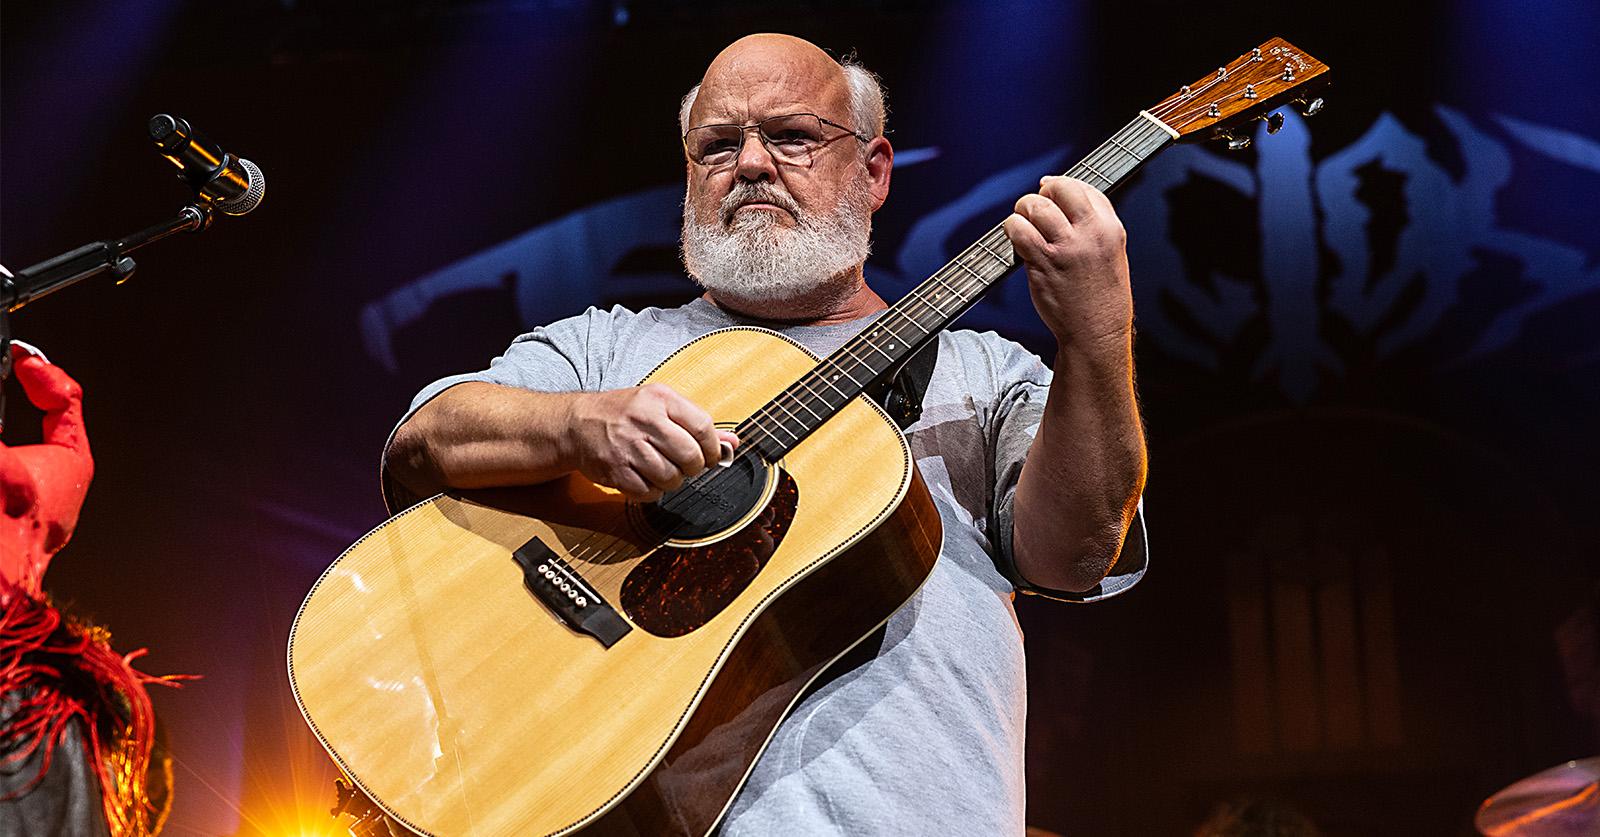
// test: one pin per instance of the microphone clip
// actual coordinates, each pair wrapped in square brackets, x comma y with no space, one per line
[232,184]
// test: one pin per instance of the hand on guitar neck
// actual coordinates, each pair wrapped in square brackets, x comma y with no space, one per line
[1074,247]
[641,440]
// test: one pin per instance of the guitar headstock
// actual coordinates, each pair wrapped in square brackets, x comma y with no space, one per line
[1248,88]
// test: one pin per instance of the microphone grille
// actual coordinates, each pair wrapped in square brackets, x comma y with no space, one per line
[251,197]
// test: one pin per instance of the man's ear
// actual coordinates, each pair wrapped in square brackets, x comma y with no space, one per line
[880,161]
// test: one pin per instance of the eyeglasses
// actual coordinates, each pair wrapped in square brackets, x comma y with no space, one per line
[791,138]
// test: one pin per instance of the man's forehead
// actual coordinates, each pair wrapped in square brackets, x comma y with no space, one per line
[757,78]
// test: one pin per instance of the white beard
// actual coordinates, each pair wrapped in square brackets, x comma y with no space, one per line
[751,257]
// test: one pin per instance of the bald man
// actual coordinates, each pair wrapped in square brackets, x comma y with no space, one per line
[1037,476]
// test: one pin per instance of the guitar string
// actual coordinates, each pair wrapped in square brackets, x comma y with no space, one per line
[1177,100]
[1137,134]
[1183,118]
[1230,69]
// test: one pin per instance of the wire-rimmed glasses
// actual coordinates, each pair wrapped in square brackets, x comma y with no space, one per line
[791,138]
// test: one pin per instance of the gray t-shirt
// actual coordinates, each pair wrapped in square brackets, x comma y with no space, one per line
[925,737]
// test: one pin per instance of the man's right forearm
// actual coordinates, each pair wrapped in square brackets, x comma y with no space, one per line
[479,435]
[641,440]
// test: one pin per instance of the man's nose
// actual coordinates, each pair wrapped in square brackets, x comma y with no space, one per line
[755,162]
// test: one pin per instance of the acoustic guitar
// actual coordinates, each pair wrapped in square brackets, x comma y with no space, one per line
[544,660]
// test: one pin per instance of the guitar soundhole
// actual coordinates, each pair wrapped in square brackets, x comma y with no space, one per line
[677,589]
[710,503]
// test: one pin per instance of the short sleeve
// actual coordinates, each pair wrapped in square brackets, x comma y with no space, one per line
[552,358]
[1023,382]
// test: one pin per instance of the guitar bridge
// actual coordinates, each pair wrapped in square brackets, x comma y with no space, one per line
[555,583]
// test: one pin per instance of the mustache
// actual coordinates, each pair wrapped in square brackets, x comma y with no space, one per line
[747,193]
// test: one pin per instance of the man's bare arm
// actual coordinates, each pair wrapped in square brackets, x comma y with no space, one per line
[1086,467]
[641,441]
[1083,477]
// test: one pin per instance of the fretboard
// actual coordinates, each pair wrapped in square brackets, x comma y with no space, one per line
[883,347]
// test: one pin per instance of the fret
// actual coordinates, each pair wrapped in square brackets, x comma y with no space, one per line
[803,405]
[1118,166]
[750,433]
[1137,133]
[880,351]
[922,298]
[849,350]
[976,274]
[760,436]
[779,404]
[877,336]
[830,382]
[1096,172]
[821,395]
[1089,174]
[913,323]
[840,370]
[763,444]
[963,291]
[1130,152]
[1153,139]
[940,279]
[996,256]
[782,424]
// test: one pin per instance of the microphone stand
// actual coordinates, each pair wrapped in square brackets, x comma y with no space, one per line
[51,275]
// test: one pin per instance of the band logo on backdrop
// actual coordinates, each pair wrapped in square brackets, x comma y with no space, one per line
[1305,211]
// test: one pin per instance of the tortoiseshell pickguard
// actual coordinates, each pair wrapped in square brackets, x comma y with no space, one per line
[676,590]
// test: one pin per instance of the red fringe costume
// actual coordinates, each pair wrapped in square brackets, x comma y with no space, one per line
[59,679]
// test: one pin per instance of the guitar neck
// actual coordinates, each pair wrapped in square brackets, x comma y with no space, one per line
[872,356]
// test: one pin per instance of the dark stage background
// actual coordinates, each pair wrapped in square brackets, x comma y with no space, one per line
[1368,351]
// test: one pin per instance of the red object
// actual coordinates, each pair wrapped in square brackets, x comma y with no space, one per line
[64,672]
[42,486]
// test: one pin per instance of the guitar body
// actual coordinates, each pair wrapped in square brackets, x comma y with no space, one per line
[457,701]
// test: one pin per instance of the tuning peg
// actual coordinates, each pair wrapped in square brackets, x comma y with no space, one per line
[1274,123]
[1311,108]
[1234,143]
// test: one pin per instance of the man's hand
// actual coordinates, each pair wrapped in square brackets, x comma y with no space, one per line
[1075,250]
[642,441]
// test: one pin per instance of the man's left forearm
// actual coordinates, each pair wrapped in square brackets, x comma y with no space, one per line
[1085,470]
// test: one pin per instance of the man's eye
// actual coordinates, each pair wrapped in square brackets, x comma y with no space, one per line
[794,137]
[718,148]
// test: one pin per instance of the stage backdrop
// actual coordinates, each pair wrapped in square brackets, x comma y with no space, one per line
[1367,351]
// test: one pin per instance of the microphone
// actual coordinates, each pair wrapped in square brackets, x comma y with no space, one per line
[232,184]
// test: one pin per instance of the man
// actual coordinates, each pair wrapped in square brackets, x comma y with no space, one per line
[786,164]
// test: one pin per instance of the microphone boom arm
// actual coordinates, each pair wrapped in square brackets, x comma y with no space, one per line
[222,183]
[93,259]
